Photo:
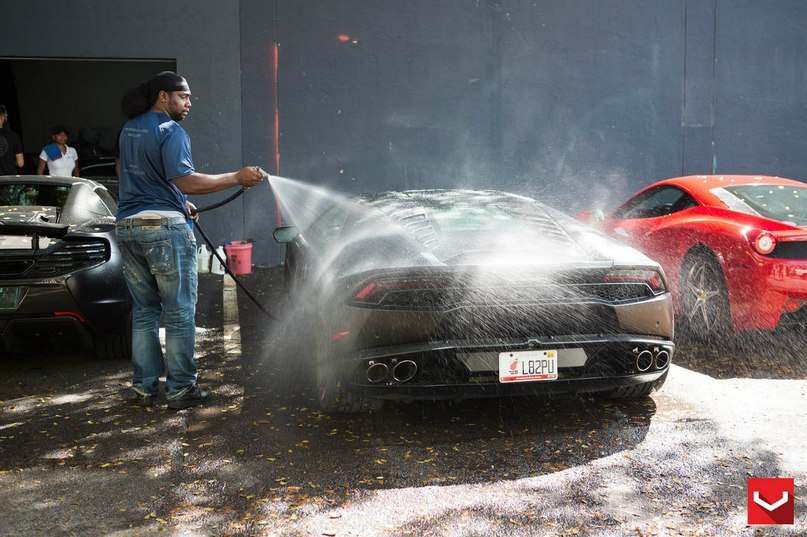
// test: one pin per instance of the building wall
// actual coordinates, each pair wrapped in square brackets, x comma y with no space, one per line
[578,102]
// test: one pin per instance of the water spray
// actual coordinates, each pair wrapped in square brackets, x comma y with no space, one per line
[223,262]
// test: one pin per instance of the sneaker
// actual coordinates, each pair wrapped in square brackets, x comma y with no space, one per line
[194,396]
[143,400]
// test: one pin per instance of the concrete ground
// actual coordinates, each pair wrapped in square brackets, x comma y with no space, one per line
[77,458]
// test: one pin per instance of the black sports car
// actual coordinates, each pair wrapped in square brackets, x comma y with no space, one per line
[447,294]
[61,278]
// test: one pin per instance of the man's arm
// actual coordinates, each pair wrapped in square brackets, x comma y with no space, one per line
[203,183]
[20,160]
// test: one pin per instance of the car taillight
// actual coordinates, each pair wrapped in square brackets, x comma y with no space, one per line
[764,243]
[375,291]
[793,305]
[649,277]
[71,314]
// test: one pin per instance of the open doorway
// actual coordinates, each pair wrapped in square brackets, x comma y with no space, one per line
[82,94]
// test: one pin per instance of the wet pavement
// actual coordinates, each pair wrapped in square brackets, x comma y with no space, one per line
[76,458]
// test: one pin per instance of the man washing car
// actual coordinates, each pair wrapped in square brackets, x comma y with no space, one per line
[155,236]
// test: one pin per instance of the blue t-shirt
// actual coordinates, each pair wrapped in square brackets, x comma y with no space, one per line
[154,150]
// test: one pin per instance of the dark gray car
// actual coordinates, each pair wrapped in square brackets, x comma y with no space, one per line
[448,294]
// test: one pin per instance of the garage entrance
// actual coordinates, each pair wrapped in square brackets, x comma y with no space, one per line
[82,94]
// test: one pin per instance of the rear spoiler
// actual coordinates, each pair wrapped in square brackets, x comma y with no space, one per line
[34,230]
[45,229]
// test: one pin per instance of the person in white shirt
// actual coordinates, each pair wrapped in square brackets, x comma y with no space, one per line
[60,158]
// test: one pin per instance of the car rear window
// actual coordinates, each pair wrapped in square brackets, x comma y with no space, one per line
[464,218]
[778,202]
[31,195]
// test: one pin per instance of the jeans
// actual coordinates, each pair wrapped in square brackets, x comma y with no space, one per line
[159,264]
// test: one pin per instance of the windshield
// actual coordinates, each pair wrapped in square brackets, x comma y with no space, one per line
[778,202]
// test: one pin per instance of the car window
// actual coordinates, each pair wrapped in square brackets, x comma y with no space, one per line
[778,202]
[28,195]
[656,202]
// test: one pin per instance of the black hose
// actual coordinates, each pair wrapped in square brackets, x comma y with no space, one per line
[222,202]
[230,272]
[224,261]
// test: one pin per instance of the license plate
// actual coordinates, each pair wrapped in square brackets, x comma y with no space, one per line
[528,366]
[10,297]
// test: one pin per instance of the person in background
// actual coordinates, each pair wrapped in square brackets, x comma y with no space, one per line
[11,156]
[156,239]
[60,158]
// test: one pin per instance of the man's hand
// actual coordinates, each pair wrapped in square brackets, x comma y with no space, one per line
[190,208]
[249,176]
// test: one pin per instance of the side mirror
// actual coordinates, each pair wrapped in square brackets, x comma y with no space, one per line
[285,234]
[597,215]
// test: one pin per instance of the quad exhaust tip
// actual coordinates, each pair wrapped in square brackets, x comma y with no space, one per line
[657,359]
[661,360]
[644,360]
[402,371]
[377,372]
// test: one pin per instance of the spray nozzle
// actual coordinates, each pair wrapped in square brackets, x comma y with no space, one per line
[263,173]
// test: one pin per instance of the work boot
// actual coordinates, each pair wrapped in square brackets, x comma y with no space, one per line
[194,396]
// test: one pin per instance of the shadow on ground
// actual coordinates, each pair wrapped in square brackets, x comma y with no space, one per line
[76,457]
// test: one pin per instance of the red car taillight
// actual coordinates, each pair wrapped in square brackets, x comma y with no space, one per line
[764,243]
[793,305]
[649,277]
[71,314]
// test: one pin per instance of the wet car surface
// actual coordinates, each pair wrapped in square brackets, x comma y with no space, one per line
[261,459]
[457,294]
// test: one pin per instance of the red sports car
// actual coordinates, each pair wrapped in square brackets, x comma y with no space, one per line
[734,247]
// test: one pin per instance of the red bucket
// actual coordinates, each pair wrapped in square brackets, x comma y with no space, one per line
[239,256]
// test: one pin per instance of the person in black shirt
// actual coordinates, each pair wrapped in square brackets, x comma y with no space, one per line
[10,147]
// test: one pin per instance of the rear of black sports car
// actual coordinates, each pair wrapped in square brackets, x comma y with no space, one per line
[61,280]
[457,334]
[456,294]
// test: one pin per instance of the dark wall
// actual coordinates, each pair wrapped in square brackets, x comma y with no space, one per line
[761,87]
[578,102]
[547,98]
